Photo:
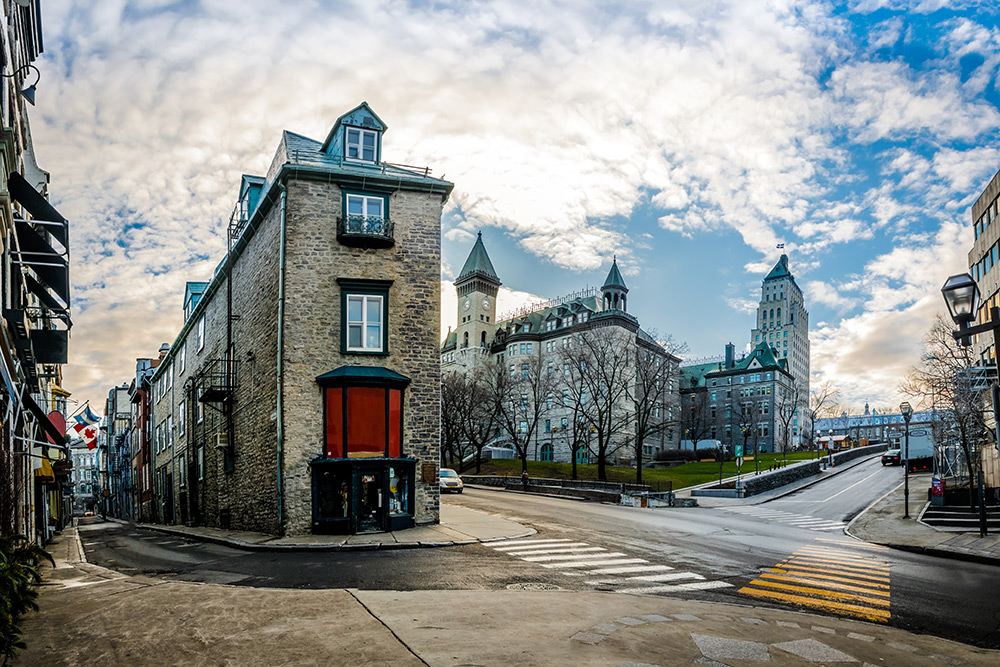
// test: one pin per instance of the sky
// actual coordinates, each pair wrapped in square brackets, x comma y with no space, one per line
[685,138]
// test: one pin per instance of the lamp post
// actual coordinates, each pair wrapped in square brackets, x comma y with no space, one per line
[961,295]
[907,412]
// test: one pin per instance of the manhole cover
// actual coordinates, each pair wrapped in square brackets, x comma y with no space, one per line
[533,586]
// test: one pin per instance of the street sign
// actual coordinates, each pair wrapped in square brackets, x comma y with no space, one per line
[739,451]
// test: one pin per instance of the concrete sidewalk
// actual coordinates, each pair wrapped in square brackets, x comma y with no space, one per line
[459,525]
[883,523]
[92,616]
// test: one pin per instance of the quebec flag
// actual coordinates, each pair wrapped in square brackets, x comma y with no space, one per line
[83,420]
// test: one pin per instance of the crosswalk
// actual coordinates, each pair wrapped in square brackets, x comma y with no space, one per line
[789,518]
[600,567]
[848,579]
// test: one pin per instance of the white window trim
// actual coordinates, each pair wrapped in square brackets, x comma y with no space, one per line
[360,145]
[364,323]
[201,333]
[364,205]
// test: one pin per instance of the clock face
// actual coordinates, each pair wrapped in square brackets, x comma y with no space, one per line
[467,304]
[486,304]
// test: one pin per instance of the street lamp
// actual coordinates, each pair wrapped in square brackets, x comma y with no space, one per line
[907,412]
[961,295]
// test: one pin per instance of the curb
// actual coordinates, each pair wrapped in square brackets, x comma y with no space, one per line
[911,548]
[291,548]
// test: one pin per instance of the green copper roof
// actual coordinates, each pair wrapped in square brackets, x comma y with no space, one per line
[764,356]
[362,375]
[615,277]
[780,270]
[478,262]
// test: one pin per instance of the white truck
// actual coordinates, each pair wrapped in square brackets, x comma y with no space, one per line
[919,454]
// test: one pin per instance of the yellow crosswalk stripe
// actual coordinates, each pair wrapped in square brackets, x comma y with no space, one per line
[854,544]
[830,579]
[822,574]
[817,581]
[877,615]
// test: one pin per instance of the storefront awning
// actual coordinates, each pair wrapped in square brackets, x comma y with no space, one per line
[36,253]
[39,208]
[355,376]
[43,419]
[44,472]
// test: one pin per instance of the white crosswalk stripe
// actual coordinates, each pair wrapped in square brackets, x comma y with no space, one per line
[798,520]
[578,559]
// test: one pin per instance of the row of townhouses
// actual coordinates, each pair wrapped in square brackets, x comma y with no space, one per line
[35,462]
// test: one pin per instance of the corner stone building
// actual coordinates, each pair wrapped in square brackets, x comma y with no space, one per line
[304,394]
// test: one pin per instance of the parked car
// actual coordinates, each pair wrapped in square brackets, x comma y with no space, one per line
[450,481]
[892,457]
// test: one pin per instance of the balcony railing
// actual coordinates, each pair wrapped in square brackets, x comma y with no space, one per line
[365,231]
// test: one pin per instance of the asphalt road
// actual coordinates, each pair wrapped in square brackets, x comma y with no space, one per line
[776,554]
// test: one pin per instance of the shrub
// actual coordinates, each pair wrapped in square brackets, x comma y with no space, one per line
[19,561]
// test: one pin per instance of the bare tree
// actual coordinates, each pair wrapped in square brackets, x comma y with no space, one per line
[948,379]
[520,394]
[482,418]
[696,419]
[599,363]
[748,419]
[787,404]
[823,401]
[454,407]
[651,393]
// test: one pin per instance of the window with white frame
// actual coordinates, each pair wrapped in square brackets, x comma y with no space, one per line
[364,322]
[361,144]
[180,360]
[182,470]
[181,410]
[201,333]
[366,208]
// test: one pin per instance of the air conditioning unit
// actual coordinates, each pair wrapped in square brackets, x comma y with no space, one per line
[221,440]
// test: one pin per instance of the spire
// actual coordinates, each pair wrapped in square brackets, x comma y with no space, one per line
[615,277]
[478,263]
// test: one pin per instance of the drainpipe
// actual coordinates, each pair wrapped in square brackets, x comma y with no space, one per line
[281,328]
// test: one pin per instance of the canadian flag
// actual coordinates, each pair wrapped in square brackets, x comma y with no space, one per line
[89,435]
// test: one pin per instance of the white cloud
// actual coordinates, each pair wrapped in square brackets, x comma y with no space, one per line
[817,291]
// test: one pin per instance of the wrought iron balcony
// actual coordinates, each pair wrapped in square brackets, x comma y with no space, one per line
[365,231]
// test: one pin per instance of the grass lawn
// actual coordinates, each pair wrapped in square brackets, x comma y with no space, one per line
[689,474]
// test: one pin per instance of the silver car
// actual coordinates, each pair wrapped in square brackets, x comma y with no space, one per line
[450,482]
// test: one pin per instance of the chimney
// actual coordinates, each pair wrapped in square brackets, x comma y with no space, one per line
[730,355]
[163,351]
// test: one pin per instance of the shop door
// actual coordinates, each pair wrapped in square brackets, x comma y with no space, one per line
[371,504]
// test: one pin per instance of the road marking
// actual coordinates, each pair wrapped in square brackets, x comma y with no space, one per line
[854,544]
[555,549]
[851,486]
[530,555]
[599,563]
[512,542]
[652,578]
[545,559]
[830,579]
[799,520]
[678,588]
[526,547]
[634,568]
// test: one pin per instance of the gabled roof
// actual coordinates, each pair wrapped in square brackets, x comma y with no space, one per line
[360,116]
[615,277]
[761,357]
[478,263]
[692,377]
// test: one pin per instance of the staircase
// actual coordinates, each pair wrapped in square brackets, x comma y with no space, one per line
[959,518]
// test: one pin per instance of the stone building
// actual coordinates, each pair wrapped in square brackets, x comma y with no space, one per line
[745,401]
[783,323]
[34,299]
[303,390]
[538,335]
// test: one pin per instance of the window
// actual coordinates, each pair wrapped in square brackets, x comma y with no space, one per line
[548,425]
[529,348]
[201,333]
[365,312]
[563,423]
[365,213]
[361,145]
[181,409]
[180,359]
[546,454]
[199,412]
[201,463]
[182,471]
[524,371]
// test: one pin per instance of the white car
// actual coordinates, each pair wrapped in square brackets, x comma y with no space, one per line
[450,481]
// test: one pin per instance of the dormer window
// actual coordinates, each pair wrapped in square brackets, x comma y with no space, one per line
[361,144]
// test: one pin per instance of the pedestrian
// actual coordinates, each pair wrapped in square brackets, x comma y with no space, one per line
[524,479]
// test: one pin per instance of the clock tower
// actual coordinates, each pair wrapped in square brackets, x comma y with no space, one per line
[477,286]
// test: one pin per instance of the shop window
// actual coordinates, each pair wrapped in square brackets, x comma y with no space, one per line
[400,480]
[363,409]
